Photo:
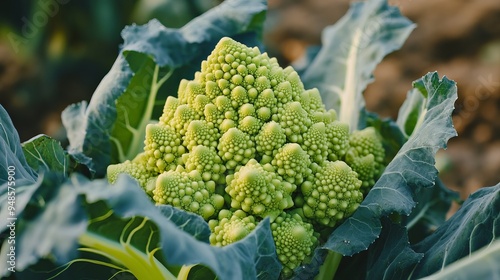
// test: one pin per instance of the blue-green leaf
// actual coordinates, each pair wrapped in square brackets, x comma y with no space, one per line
[16,176]
[11,155]
[430,212]
[188,222]
[152,61]
[474,226]
[412,112]
[139,239]
[351,50]
[391,257]
[47,154]
[482,264]
[412,168]
[49,221]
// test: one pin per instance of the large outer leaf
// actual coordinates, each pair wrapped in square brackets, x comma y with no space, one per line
[16,176]
[351,50]
[188,222]
[482,264]
[50,223]
[111,127]
[475,225]
[412,168]
[430,212]
[391,257]
[11,154]
[125,206]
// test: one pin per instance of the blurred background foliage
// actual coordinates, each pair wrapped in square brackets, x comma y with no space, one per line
[55,52]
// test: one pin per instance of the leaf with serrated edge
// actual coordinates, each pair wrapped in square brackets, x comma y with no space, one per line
[412,167]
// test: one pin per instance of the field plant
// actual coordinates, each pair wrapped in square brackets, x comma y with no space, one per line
[199,157]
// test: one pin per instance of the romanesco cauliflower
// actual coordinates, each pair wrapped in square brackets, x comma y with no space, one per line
[243,141]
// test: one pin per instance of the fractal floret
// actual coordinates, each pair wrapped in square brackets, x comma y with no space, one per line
[245,141]
[230,227]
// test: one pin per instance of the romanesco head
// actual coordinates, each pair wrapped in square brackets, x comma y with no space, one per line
[245,134]
[137,169]
[270,138]
[230,227]
[235,148]
[162,147]
[206,162]
[189,192]
[294,120]
[332,195]
[169,108]
[259,190]
[337,139]
[314,143]
[295,241]
[366,156]
[292,163]
[200,132]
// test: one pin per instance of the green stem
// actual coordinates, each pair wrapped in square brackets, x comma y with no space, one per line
[137,262]
[184,272]
[329,268]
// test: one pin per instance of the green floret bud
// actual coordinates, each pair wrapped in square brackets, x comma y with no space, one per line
[212,89]
[316,103]
[292,163]
[315,143]
[365,167]
[189,192]
[270,138]
[200,101]
[337,135]
[294,121]
[250,125]
[199,132]
[206,162]
[230,227]
[262,83]
[283,92]
[230,65]
[224,106]
[183,116]
[162,147]
[235,148]
[295,241]
[294,79]
[258,191]
[137,170]
[332,195]
[267,99]
[189,93]
[276,75]
[366,151]
[246,110]
[239,97]
[212,114]
[169,110]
